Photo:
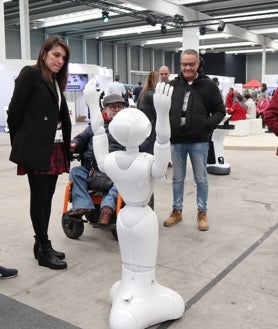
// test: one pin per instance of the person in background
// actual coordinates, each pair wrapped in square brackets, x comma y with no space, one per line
[271,115]
[164,74]
[197,108]
[215,80]
[238,110]
[145,104]
[262,105]
[251,106]
[136,91]
[230,98]
[40,133]
[7,273]
[264,90]
[83,144]
[116,87]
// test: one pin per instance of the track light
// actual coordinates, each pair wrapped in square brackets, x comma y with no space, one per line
[202,30]
[221,26]
[179,20]
[105,16]
[163,29]
[151,20]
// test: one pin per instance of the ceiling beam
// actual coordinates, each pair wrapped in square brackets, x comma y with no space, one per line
[170,9]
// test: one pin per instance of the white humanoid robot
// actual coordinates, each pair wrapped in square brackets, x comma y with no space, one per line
[138,300]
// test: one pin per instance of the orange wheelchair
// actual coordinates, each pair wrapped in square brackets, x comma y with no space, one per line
[73,226]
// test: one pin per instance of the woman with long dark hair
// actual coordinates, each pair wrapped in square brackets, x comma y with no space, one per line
[40,132]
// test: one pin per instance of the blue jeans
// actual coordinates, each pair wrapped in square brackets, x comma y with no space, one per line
[198,153]
[80,195]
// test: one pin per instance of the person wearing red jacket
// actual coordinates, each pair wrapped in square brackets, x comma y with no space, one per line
[271,115]
[237,110]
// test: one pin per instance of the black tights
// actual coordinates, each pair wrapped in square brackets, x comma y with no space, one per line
[42,188]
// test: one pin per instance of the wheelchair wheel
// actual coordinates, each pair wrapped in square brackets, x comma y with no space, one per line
[73,227]
[114,233]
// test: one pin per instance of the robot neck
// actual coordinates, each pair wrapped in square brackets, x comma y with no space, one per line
[125,159]
[134,149]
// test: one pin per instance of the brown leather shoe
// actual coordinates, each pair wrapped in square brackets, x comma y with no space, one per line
[78,212]
[105,216]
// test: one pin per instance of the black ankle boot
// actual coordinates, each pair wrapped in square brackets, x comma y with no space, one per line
[47,258]
[58,254]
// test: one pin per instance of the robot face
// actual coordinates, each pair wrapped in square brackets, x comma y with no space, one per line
[130,127]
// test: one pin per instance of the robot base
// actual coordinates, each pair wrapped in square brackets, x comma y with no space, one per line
[139,301]
[219,169]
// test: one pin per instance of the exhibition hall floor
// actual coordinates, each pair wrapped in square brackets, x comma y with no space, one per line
[227,276]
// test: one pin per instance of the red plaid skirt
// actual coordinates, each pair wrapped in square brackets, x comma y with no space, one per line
[58,163]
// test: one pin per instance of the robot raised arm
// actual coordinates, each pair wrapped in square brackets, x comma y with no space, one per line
[100,140]
[92,99]
[162,103]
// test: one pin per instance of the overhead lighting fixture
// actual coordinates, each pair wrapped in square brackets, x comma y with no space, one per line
[158,41]
[247,51]
[228,45]
[179,19]
[105,16]
[151,20]
[202,30]
[221,26]
[163,29]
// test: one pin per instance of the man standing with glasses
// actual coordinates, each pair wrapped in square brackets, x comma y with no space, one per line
[197,108]
[82,144]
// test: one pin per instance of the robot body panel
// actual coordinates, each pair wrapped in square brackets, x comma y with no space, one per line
[138,226]
[134,182]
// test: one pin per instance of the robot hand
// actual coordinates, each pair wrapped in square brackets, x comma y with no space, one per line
[162,103]
[92,98]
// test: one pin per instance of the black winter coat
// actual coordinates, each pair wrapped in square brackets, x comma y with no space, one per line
[204,112]
[33,116]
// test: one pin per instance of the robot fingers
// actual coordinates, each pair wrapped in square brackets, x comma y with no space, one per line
[164,89]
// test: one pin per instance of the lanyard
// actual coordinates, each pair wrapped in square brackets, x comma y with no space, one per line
[59,94]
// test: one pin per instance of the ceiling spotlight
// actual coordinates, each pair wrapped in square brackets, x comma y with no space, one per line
[202,30]
[179,20]
[105,16]
[163,29]
[221,26]
[151,20]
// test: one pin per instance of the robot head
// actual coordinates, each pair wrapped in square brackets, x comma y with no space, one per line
[130,127]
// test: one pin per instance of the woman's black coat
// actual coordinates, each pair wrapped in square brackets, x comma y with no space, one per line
[32,119]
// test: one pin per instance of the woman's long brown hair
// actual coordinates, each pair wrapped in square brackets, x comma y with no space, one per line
[62,75]
[150,82]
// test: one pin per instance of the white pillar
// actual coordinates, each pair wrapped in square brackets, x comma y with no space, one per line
[263,61]
[128,66]
[24,29]
[190,38]
[115,57]
[100,53]
[2,32]
[141,59]
[84,50]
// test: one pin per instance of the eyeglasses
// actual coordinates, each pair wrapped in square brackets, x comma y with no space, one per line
[192,64]
[115,106]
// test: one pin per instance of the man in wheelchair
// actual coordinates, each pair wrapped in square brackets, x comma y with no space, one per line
[81,175]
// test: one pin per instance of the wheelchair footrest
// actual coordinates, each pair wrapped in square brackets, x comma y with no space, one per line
[109,227]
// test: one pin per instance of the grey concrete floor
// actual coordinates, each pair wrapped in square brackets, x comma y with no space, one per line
[227,276]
